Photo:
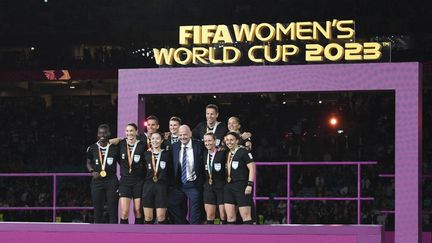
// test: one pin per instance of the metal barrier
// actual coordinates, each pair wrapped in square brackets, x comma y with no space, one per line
[54,202]
[288,198]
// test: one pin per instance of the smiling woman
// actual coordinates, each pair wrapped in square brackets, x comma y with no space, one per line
[102,163]
[132,171]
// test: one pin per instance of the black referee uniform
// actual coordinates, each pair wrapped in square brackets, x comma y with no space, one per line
[167,143]
[104,187]
[155,190]
[234,191]
[216,178]
[132,175]
[219,130]
[145,140]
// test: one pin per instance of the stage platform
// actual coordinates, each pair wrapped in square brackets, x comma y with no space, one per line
[79,233]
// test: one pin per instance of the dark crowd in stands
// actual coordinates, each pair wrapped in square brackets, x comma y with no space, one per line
[76,57]
[41,137]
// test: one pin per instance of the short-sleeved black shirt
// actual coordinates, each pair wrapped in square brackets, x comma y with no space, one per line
[111,160]
[218,168]
[165,172]
[201,129]
[239,169]
[138,167]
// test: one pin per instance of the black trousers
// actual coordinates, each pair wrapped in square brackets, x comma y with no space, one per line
[105,189]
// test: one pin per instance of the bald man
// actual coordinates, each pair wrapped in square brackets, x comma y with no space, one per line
[189,174]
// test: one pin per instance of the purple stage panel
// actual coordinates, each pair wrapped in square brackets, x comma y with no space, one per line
[402,78]
[48,232]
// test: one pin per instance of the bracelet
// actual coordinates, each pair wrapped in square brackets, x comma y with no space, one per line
[250,183]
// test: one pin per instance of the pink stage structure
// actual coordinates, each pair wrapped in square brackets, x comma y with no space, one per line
[54,233]
[402,78]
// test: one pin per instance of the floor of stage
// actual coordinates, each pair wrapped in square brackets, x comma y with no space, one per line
[70,232]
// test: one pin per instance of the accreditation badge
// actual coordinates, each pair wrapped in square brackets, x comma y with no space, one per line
[235,165]
[217,166]
[218,141]
[137,158]
[110,161]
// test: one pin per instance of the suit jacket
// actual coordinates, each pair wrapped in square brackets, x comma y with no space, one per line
[198,163]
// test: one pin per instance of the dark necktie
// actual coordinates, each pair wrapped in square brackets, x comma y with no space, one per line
[184,164]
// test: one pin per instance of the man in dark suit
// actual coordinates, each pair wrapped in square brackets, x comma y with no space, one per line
[189,178]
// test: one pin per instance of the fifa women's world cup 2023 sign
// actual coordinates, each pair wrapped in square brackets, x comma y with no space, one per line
[266,42]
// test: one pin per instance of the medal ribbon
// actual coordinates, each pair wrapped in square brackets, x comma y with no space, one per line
[229,160]
[210,163]
[131,154]
[156,166]
[104,157]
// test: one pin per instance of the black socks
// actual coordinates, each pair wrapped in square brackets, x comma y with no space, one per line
[139,221]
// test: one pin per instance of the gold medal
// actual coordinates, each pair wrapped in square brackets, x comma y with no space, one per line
[103,173]
[210,181]
[155,179]
[229,179]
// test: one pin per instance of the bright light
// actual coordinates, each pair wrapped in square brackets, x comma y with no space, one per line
[72,87]
[214,96]
[333,121]
[340,131]
[32,48]
[320,102]
[145,123]
[284,102]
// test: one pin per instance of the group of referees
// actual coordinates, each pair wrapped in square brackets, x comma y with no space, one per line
[169,177]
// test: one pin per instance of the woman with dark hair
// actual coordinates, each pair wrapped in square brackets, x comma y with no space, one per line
[240,176]
[245,137]
[159,173]
[102,164]
[132,171]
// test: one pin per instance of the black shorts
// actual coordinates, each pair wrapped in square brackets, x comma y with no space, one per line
[155,195]
[234,194]
[213,195]
[131,188]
